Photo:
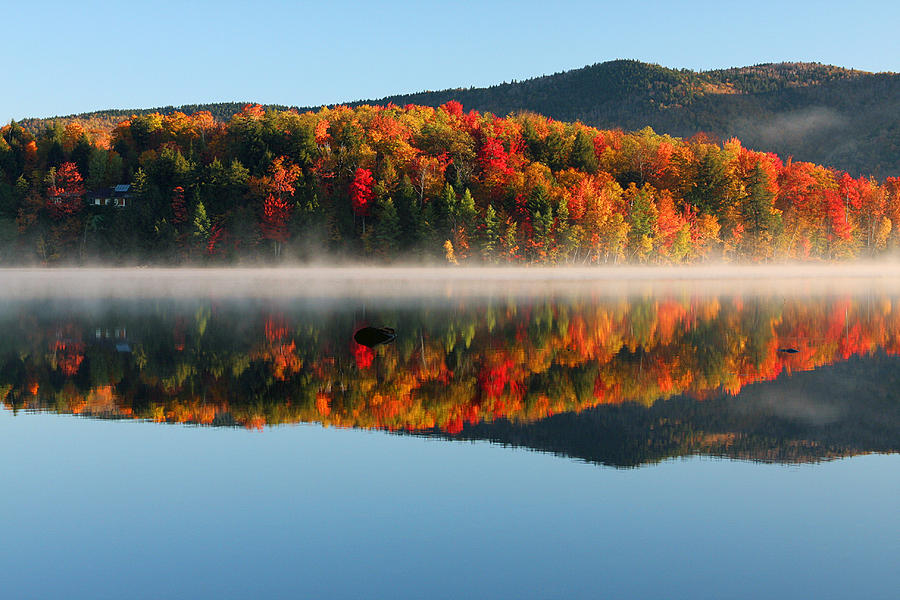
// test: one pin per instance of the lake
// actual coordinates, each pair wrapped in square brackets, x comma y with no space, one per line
[526,434]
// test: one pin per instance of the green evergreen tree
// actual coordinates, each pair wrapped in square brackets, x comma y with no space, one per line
[467,213]
[202,225]
[757,214]
[428,233]
[583,156]
[387,228]
[490,234]
[447,211]
[467,216]
[557,151]
[511,241]
[708,184]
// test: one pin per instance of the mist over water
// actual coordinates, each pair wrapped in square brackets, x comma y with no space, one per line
[410,281]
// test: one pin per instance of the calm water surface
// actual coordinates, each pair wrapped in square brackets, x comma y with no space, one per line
[675,443]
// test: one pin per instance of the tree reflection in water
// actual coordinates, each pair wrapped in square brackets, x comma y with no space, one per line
[660,375]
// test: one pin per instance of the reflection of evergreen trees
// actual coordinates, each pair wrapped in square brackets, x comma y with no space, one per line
[521,372]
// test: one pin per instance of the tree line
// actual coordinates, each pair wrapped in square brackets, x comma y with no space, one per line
[416,183]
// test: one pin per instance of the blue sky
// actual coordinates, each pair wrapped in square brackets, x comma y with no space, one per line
[69,57]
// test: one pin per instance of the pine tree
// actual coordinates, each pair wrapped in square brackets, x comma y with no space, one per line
[201,225]
[387,229]
[466,215]
[510,241]
[490,234]
[583,156]
[428,234]
[757,213]
[709,185]
[543,238]
[447,207]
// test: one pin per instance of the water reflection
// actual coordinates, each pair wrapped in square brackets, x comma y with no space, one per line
[619,381]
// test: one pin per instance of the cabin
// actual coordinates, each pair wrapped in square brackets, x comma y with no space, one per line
[118,196]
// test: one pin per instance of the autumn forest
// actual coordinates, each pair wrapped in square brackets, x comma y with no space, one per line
[420,184]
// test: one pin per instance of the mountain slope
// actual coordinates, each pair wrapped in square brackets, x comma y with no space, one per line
[819,113]
[844,118]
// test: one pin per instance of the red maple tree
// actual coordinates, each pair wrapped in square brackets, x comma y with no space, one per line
[278,206]
[64,194]
[361,192]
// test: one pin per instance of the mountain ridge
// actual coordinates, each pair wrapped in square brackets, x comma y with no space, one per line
[845,118]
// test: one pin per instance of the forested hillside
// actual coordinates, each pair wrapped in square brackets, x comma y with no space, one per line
[420,183]
[818,113]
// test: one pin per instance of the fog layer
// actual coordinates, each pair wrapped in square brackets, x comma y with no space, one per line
[400,282]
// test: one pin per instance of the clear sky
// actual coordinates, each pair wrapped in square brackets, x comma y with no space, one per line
[65,57]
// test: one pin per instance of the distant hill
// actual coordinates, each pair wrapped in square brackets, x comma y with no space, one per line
[107,119]
[824,114]
[844,118]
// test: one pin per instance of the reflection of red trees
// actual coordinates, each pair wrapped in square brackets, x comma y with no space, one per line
[362,355]
[454,425]
[493,379]
[276,328]
[323,404]
[284,360]
[69,356]
[603,354]
[279,353]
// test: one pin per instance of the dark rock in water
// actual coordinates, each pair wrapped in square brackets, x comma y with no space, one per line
[374,336]
[788,350]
